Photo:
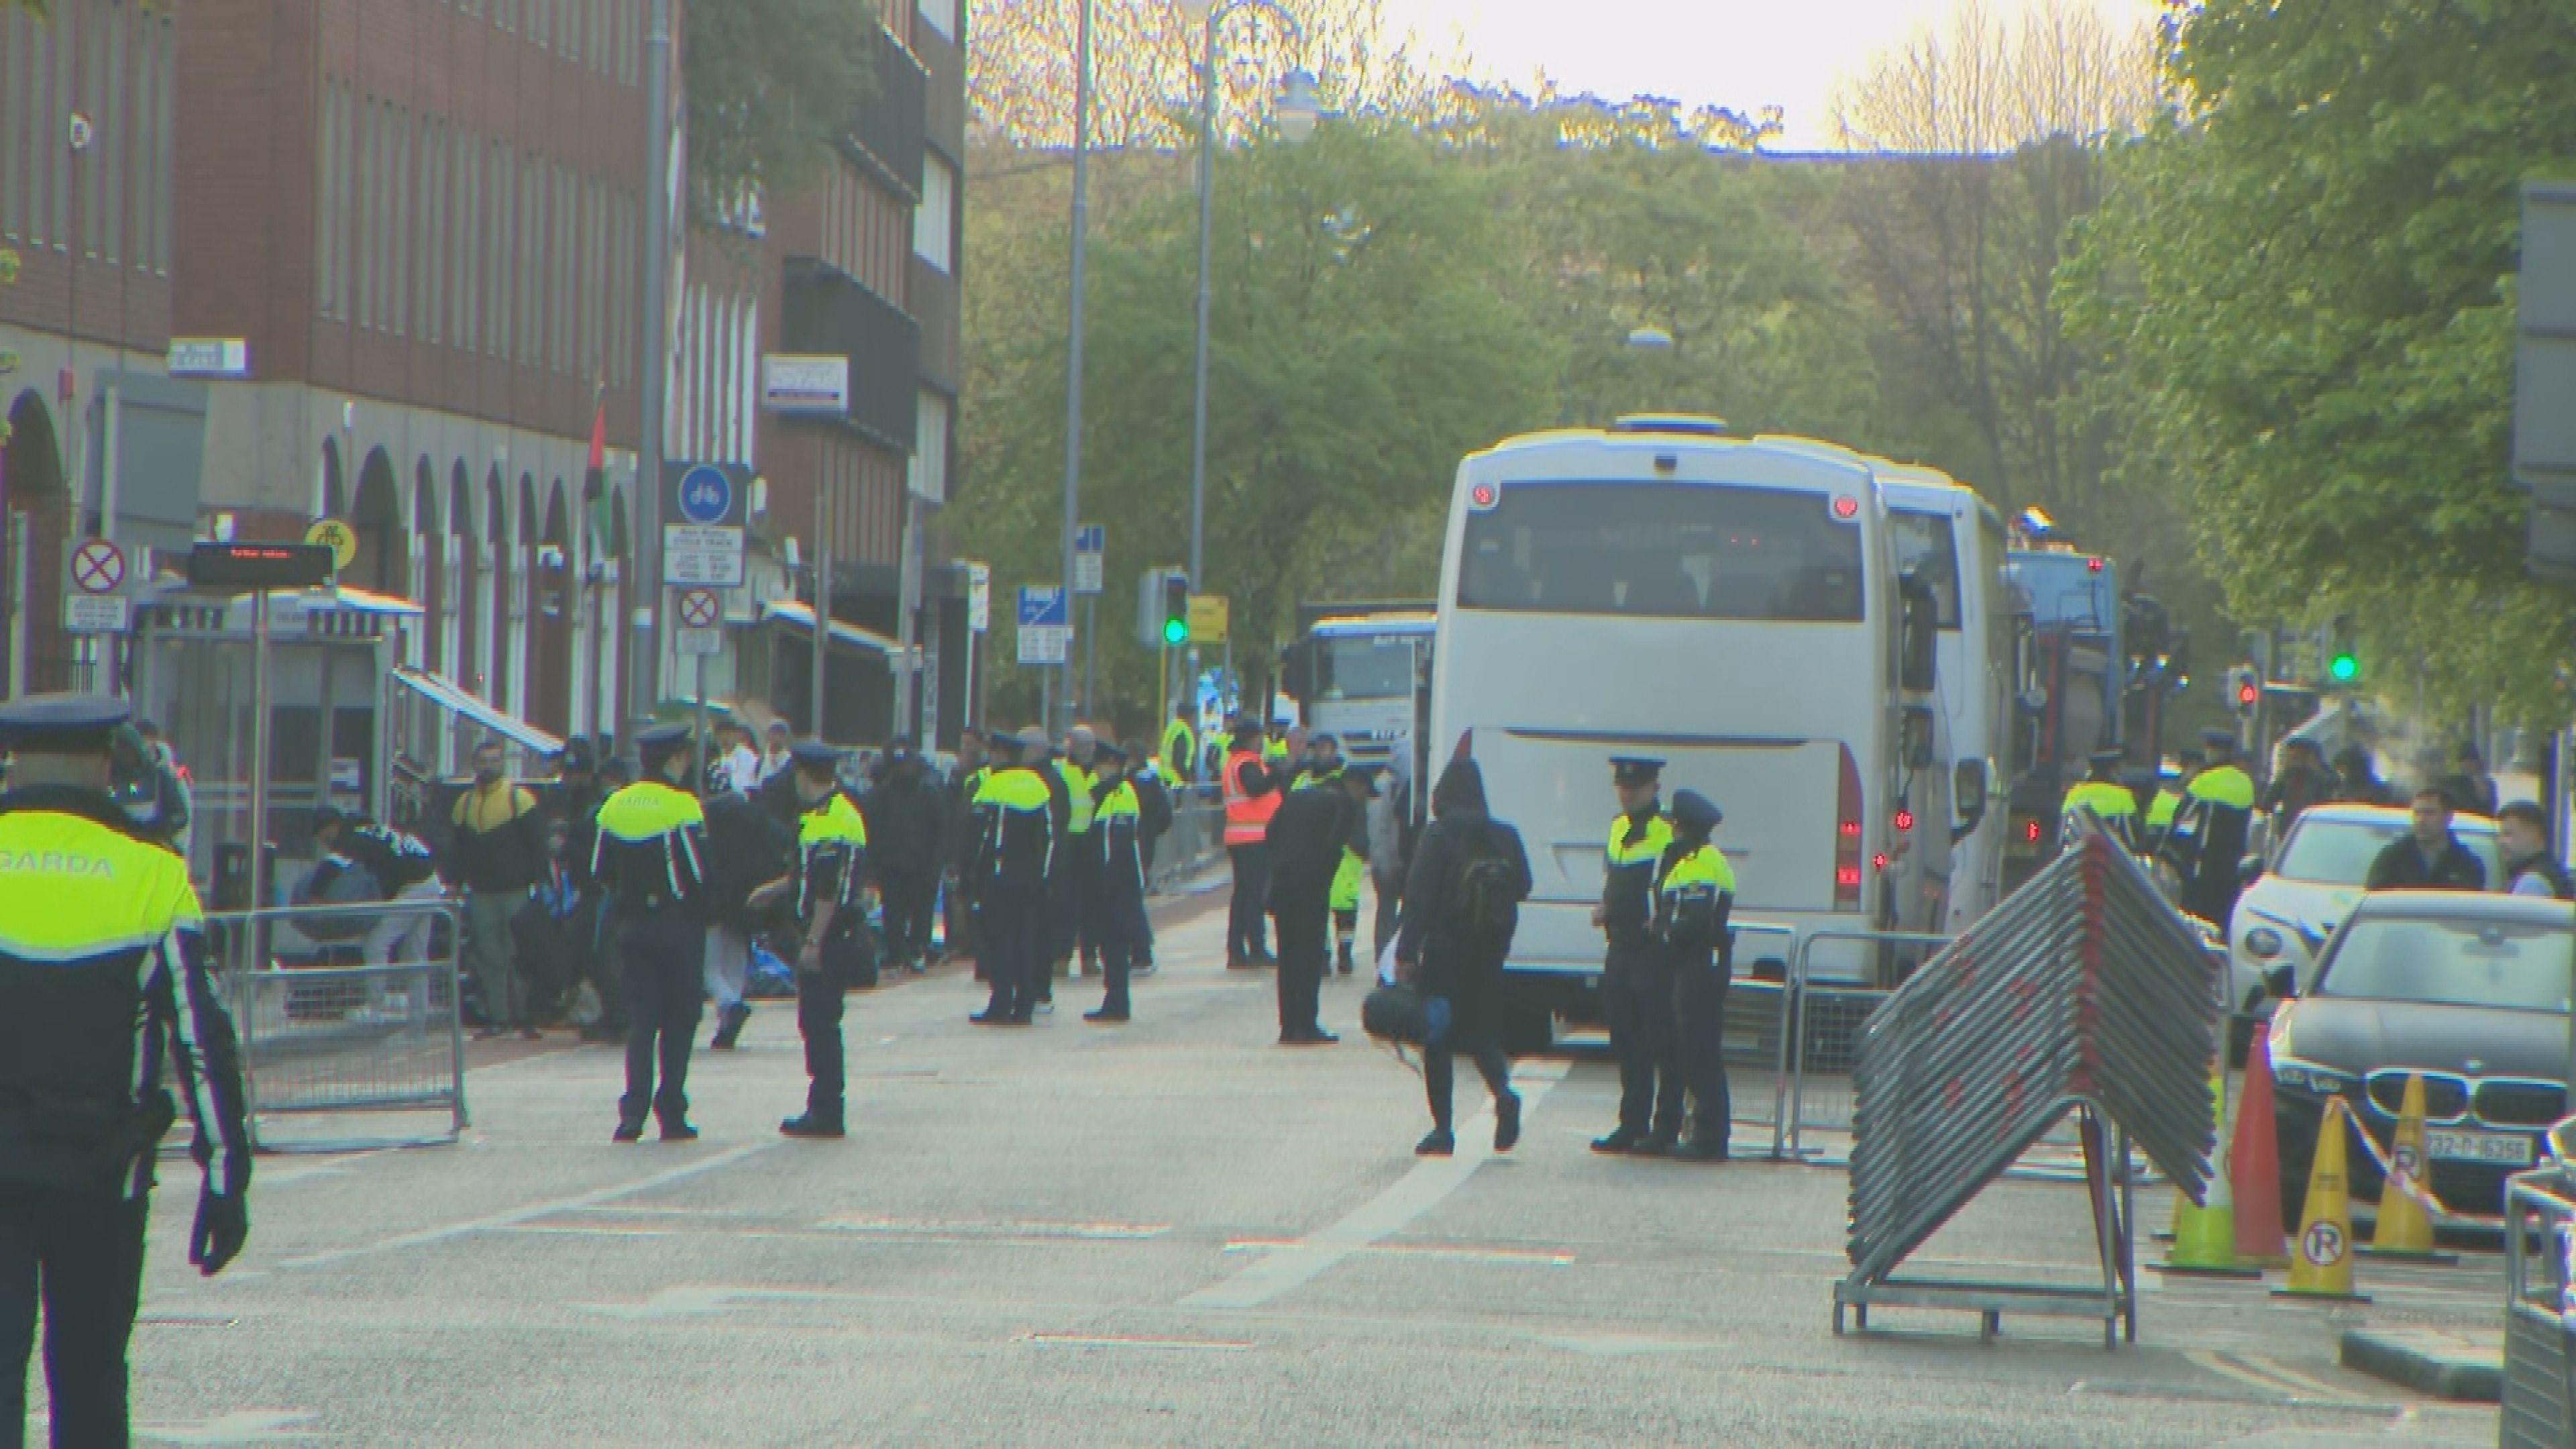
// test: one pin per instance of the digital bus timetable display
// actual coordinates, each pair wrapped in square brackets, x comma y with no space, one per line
[259,565]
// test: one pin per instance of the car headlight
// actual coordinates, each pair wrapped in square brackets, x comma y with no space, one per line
[2307,1076]
[2263,943]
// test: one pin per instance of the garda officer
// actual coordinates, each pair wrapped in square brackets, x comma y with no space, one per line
[1360,782]
[651,855]
[106,1002]
[1014,826]
[1180,753]
[2105,800]
[831,857]
[1637,991]
[2207,844]
[1073,864]
[2168,801]
[1118,882]
[1694,893]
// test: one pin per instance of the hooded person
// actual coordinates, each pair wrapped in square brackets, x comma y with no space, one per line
[1461,905]
[904,820]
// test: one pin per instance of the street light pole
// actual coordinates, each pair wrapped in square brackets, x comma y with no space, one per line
[647,597]
[1298,113]
[1073,346]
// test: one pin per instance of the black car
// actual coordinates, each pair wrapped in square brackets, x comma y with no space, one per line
[2468,991]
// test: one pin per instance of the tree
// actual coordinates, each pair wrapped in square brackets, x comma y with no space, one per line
[2304,275]
[771,86]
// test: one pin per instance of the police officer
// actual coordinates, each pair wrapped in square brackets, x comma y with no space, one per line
[1073,864]
[2103,798]
[1180,753]
[2207,843]
[1015,838]
[651,855]
[1635,988]
[831,858]
[106,1002]
[1694,894]
[1118,882]
[2168,802]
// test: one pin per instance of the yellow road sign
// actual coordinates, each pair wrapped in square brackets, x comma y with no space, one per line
[341,538]
[1208,617]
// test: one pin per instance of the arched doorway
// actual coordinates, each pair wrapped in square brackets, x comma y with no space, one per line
[553,603]
[496,558]
[383,556]
[39,653]
[462,576]
[523,618]
[428,565]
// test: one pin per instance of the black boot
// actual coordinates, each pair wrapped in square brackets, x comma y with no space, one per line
[1343,965]
[811,1125]
[1507,1121]
[1621,1139]
[729,1027]
[1438,1144]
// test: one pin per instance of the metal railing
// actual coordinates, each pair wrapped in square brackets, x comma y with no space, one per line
[1195,842]
[1826,1046]
[329,1025]
[2539,1398]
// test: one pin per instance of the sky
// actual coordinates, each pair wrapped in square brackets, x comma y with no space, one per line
[1742,54]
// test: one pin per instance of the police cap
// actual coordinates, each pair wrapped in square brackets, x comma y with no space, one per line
[2104,759]
[660,740]
[1034,744]
[1323,737]
[66,723]
[1109,752]
[1694,813]
[815,756]
[1635,770]
[2218,739]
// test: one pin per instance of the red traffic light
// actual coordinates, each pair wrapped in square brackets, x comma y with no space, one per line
[2249,693]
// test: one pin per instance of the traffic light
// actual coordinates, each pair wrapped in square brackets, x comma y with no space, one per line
[2244,688]
[2344,668]
[1176,609]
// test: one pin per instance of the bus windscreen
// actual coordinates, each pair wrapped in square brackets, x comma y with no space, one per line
[1925,544]
[1375,667]
[1662,550]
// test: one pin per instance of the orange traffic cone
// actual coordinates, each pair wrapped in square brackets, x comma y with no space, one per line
[2323,1265]
[2254,1161]
[2405,1229]
[2204,1233]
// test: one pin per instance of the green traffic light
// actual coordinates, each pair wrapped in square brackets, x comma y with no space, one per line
[2345,668]
[1176,631]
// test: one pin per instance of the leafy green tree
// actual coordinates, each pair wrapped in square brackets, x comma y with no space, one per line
[770,87]
[2305,277]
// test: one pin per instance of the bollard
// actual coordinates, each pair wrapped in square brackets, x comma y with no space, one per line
[2321,1265]
[2405,1227]
[2204,1234]
[2254,1161]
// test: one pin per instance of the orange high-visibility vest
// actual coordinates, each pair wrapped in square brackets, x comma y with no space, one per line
[1247,817]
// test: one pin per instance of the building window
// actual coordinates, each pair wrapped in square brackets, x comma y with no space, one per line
[467,243]
[497,342]
[426,260]
[928,471]
[14,104]
[166,126]
[942,15]
[934,222]
[398,233]
[115,139]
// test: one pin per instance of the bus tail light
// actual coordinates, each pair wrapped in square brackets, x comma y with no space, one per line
[1847,836]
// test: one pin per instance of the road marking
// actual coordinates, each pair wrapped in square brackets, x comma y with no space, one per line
[1430,1182]
[700,1300]
[1539,1257]
[517,1216]
[2286,1374]
[965,1230]
[2269,1377]
[246,1426]
[1119,1340]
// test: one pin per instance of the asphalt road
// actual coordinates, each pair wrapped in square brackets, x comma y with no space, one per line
[1168,1233]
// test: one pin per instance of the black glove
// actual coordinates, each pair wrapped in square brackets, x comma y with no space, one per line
[223,1225]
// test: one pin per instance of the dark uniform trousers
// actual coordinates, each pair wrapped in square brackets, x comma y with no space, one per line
[909,895]
[79,1251]
[819,998]
[664,955]
[1304,933]
[1077,876]
[1118,914]
[1637,990]
[1015,925]
[1699,1009]
[1244,938]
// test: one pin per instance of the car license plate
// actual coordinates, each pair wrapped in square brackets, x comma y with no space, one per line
[2508,1148]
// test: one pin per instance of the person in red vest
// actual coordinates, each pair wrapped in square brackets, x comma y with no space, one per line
[1252,795]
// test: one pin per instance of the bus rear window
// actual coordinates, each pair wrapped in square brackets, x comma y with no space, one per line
[1925,544]
[1661,550]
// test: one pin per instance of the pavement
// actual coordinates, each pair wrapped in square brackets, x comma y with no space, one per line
[1172,1232]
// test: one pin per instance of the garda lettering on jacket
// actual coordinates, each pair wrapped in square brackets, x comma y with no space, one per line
[55,862]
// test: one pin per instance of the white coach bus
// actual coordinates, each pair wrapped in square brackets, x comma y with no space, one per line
[1726,604]
[1954,543]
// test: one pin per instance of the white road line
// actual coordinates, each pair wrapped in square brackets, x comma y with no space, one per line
[1430,1182]
[516,1216]
[1158,1345]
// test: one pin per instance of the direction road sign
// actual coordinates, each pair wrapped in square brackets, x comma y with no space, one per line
[94,613]
[1210,614]
[339,537]
[979,598]
[98,567]
[706,495]
[1090,543]
[1046,624]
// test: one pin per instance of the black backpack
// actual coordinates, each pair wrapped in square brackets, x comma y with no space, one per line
[1484,906]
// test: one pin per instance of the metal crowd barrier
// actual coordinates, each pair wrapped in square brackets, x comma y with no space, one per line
[1756,1034]
[325,1030]
[1195,842]
[1826,1046]
[2539,1399]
